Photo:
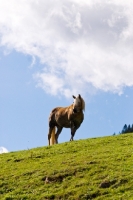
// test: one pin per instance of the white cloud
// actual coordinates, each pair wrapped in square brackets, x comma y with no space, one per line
[83,46]
[3,150]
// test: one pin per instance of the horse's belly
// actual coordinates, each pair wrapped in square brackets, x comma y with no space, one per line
[63,123]
[62,120]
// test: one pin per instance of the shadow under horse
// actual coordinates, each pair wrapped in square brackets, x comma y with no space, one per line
[67,117]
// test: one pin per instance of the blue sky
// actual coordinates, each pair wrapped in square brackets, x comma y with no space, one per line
[51,50]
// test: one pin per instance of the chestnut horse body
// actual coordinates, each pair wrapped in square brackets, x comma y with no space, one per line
[67,117]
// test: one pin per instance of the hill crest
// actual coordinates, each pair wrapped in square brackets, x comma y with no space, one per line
[97,168]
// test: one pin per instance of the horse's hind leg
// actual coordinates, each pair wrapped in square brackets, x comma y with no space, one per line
[59,129]
[50,133]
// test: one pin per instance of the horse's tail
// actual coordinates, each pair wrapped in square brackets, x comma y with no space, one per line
[52,139]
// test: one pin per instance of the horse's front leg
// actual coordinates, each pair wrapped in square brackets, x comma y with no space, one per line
[73,131]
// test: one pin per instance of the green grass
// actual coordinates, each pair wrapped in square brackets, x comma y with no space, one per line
[99,168]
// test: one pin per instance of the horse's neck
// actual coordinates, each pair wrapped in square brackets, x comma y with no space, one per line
[71,108]
[72,113]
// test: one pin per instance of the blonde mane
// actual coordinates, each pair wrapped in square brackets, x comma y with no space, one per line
[83,104]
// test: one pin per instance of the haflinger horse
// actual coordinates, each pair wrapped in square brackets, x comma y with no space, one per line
[68,117]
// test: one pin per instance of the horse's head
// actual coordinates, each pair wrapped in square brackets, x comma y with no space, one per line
[78,104]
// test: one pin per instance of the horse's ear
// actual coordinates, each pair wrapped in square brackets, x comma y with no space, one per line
[73,96]
[79,96]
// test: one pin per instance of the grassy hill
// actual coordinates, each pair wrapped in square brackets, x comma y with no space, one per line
[99,168]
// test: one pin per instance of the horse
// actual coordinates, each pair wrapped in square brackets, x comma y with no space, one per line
[67,117]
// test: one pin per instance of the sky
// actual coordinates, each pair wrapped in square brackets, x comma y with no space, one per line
[51,50]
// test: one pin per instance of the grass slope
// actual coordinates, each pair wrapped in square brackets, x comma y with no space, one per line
[98,169]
